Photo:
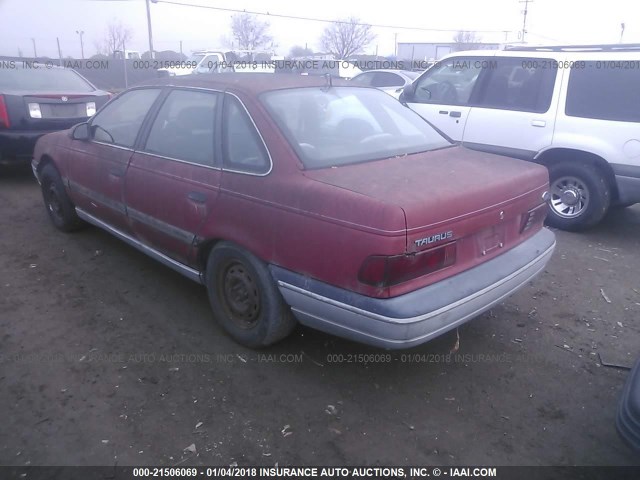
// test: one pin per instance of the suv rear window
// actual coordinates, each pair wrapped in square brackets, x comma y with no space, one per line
[611,93]
[43,80]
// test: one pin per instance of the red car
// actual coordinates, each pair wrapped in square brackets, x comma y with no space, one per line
[295,198]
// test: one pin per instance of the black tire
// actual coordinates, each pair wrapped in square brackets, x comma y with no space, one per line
[587,185]
[245,299]
[61,210]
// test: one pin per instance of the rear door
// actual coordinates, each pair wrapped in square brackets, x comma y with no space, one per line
[513,109]
[443,92]
[98,166]
[173,180]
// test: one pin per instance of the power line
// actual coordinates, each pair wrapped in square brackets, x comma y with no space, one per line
[322,20]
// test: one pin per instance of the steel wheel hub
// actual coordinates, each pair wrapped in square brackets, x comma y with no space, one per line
[240,295]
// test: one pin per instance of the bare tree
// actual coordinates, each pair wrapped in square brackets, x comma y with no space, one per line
[466,40]
[116,36]
[346,37]
[249,32]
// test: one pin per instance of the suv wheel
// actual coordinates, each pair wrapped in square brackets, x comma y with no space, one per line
[580,196]
[244,297]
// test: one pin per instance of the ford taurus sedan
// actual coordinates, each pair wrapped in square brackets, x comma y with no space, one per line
[301,199]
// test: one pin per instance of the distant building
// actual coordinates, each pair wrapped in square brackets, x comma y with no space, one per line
[435,51]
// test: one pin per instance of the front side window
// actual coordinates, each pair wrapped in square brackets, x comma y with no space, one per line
[118,123]
[607,90]
[184,128]
[517,84]
[244,150]
[346,125]
[450,82]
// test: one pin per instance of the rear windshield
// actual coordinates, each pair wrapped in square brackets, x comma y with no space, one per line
[345,125]
[43,79]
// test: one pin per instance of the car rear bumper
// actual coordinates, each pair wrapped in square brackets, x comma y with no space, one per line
[628,418]
[419,316]
[17,146]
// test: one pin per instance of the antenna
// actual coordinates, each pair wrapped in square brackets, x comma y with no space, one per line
[524,20]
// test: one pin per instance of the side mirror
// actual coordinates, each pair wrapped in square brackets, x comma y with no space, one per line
[81,132]
[408,92]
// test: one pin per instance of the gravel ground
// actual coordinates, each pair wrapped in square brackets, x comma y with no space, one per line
[107,357]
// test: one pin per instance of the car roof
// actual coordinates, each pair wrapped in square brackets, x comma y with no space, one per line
[248,83]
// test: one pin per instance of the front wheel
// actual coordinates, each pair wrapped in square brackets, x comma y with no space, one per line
[580,196]
[245,299]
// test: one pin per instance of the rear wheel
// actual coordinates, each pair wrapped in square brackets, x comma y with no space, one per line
[244,297]
[580,196]
[58,204]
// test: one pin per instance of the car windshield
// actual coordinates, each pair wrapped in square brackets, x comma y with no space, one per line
[43,79]
[345,125]
[412,75]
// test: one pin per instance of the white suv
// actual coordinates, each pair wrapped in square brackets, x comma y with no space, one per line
[573,109]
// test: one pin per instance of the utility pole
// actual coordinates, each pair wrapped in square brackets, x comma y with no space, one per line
[149,28]
[59,50]
[81,33]
[181,54]
[395,45]
[621,31]
[524,20]
[35,53]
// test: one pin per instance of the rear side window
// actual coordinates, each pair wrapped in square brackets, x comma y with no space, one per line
[517,84]
[244,150]
[387,79]
[119,121]
[605,90]
[184,128]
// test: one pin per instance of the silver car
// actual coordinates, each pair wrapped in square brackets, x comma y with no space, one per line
[387,80]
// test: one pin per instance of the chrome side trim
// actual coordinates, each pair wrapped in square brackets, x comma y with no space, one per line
[112,145]
[166,228]
[98,197]
[420,318]
[144,152]
[188,272]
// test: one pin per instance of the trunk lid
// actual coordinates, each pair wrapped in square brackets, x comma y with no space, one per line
[478,200]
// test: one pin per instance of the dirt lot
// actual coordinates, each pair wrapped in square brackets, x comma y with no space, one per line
[108,357]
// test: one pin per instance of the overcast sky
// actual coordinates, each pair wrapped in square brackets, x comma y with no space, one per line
[548,21]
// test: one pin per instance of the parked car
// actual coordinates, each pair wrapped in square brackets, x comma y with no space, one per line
[389,81]
[218,61]
[628,416]
[575,110]
[296,197]
[36,99]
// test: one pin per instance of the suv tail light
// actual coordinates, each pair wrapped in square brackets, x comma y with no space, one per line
[4,115]
[384,271]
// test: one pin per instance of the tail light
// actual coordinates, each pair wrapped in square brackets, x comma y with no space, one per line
[533,216]
[384,271]
[4,115]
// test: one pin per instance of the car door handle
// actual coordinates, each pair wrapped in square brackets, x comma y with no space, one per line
[117,172]
[455,114]
[197,197]
[538,123]
[443,112]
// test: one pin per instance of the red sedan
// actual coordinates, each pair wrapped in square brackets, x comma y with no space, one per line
[295,198]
